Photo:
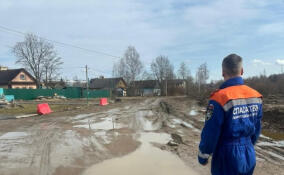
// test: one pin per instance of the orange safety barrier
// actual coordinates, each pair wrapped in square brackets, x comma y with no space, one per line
[43,109]
[103,102]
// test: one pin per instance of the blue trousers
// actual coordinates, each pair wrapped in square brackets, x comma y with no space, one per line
[234,158]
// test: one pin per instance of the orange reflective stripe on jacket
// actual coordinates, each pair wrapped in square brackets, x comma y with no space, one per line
[222,96]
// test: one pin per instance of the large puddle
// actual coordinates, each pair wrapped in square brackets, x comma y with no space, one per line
[13,135]
[144,161]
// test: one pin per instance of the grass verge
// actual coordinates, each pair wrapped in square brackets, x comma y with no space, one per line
[32,109]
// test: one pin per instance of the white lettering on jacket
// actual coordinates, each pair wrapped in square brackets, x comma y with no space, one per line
[245,111]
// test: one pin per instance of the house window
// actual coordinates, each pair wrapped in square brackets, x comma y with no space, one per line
[22,77]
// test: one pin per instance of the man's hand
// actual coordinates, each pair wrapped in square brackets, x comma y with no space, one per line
[205,163]
[202,161]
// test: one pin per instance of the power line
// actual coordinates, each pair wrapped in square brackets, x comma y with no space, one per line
[61,43]
[93,69]
[7,46]
[11,32]
[99,70]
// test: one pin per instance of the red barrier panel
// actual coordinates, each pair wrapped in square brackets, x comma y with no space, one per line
[43,109]
[103,102]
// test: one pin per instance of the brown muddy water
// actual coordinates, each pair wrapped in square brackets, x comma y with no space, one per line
[146,160]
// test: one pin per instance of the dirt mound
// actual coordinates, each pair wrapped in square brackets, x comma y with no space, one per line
[165,107]
[273,118]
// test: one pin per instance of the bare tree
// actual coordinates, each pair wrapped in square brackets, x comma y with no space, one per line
[202,75]
[129,67]
[51,67]
[133,64]
[34,53]
[147,76]
[119,69]
[162,70]
[183,71]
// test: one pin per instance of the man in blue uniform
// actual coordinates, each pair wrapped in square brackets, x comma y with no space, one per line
[232,123]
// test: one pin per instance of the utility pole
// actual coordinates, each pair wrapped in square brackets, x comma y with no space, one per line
[166,87]
[87,84]
[199,86]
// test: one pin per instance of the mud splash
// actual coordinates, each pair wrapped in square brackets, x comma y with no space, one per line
[145,160]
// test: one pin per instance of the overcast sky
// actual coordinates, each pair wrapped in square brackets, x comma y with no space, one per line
[194,31]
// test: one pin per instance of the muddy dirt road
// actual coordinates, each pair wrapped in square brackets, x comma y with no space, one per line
[145,136]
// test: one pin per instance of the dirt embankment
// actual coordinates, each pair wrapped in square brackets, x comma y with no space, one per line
[273,117]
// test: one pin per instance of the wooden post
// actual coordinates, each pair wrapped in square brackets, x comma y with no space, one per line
[87,84]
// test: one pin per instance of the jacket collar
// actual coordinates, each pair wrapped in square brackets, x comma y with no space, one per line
[232,82]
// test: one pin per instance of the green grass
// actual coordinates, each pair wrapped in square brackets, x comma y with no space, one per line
[32,108]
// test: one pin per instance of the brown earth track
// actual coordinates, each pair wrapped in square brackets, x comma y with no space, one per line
[56,146]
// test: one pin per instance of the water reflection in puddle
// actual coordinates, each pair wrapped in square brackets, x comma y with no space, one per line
[193,112]
[106,124]
[144,161]
[13,135]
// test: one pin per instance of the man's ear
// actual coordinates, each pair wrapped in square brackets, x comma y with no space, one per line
[242,71]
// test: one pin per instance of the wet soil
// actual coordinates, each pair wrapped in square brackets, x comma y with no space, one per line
[270,152]
[133,135]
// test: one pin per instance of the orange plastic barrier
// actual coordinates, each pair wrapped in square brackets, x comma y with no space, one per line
[103,102]
[43,109]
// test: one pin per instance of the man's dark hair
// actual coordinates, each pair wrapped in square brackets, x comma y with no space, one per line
[232,64]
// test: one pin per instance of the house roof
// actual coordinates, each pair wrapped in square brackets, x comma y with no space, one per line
[152,84]
[176,81]
[145,84]
[56,84]
[104,83]
[6,76]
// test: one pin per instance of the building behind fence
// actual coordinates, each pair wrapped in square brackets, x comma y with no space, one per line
[31,94]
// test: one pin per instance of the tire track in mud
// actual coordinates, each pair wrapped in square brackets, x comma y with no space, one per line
[272,154]
[94,145]
[149,116]
[42,146]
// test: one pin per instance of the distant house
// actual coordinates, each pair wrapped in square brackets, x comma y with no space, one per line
[176,87]
[146,88]
[55,84]
[76,83]
[152,87]
[16,78]
[116,85]
[177,83]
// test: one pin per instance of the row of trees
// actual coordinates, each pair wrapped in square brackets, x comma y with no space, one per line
[131,68]
[39,57]
[267,85]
